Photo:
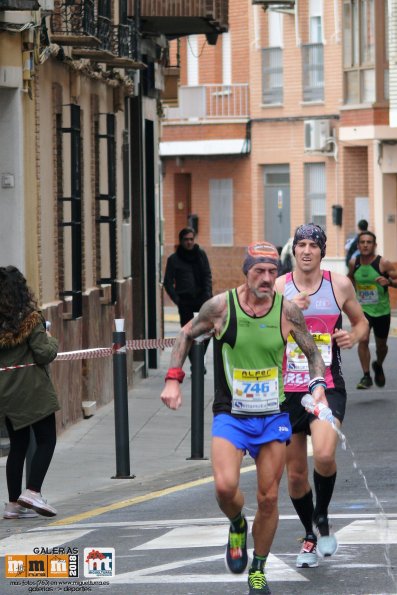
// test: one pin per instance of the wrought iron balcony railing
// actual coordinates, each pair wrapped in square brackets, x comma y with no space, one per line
[135,36]
[73,23]
[104,33]
[87,26]
[121,41]
[118,45]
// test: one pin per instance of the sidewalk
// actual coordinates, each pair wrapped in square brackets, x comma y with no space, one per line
[160,441]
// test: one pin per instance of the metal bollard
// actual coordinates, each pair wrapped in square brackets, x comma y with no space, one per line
[197,413]
[121,403]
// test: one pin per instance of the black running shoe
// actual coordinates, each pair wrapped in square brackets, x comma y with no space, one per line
[236,557]
[365,382]
[380,379]
[257,583]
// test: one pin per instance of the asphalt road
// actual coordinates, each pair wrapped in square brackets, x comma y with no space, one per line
[172,541]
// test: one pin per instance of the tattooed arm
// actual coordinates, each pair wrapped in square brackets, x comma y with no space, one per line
[210,319]
[296,325]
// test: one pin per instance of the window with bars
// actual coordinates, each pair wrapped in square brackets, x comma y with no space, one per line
[313,55]
[272,75]
[313,71]
[315,194]
[69,168]
[106,219]
[221,210]
[272,61]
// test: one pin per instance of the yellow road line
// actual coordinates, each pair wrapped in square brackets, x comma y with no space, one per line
[137,500]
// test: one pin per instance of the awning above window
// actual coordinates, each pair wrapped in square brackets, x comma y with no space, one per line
[230,146]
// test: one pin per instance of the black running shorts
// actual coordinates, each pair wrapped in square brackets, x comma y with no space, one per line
[380,324]
[300,419]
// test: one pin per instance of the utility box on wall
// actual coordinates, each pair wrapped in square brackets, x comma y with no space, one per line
[317,133]
[337,214]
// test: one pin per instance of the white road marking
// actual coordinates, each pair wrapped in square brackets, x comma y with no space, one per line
[376,531]
[371,531]
[187,537]
[206,533]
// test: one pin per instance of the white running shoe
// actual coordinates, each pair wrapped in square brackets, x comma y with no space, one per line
[12,510]
[35,500]
[307,557]
[327,545]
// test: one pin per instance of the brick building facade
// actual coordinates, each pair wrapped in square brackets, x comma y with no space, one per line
[305,146]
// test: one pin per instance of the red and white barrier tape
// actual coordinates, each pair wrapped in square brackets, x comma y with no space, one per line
[16,367]
[149,343]
[97,352]
[84,354]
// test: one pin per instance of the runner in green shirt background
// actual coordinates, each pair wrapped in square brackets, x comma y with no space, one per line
[372,275]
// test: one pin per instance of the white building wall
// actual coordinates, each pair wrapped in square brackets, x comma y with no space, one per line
[12,237]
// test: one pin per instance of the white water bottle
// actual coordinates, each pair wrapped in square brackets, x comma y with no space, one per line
[318,409]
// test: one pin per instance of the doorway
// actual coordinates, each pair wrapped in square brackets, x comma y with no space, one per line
[277,204]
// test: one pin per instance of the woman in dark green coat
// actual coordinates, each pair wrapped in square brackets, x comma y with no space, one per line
[27,396]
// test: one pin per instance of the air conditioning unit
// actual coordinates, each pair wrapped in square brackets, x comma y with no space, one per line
[317,133]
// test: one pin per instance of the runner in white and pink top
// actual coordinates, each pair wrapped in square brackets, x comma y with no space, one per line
[322,297]
[322,317]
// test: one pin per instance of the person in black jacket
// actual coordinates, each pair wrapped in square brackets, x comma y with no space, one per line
[352,249]
[188,278]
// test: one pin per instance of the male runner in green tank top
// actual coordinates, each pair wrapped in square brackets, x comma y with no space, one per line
[250,325]
[372,276]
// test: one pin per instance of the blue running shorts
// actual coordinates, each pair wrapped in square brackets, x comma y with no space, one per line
[250,433]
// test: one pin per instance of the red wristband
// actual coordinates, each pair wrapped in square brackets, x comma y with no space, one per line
[175,374]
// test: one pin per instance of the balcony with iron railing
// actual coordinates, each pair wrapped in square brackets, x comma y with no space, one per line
[313,71]
[118,45]
[87,27]
[73,23]
[210,102]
